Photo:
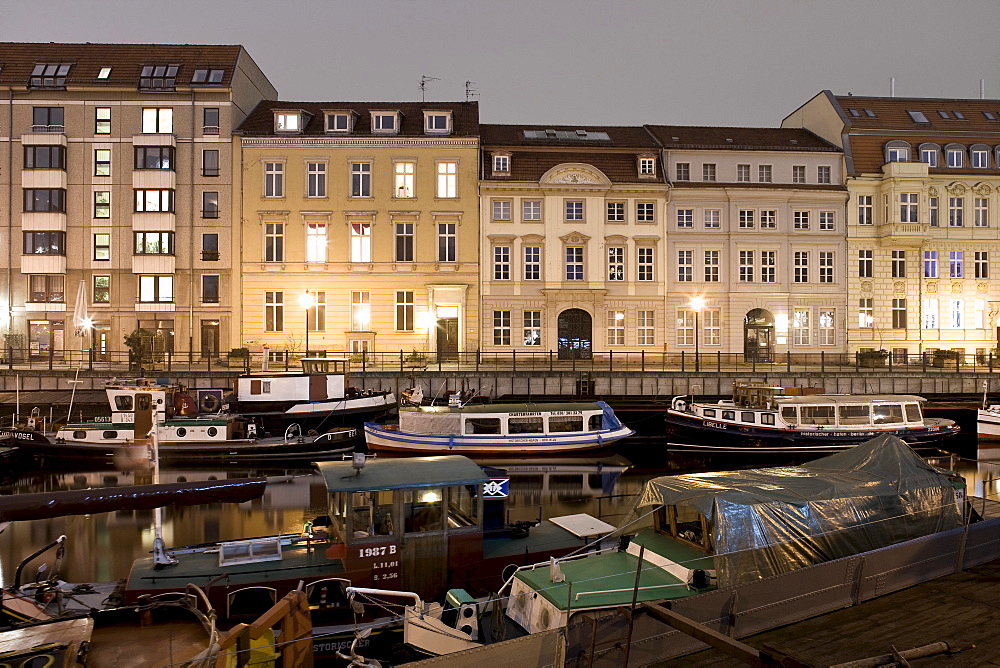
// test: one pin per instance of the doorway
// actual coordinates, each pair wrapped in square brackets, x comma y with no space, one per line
[575,332]
[447,338]
[209,338]
[758,336]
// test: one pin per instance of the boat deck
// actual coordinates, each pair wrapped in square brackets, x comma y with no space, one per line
[545,537]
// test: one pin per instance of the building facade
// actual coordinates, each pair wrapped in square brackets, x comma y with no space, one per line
[755,231]
[923,237]
[117,176]
[359,227]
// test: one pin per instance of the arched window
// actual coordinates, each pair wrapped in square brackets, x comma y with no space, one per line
[954,156]
[897,151]
[980,156]
[930,154]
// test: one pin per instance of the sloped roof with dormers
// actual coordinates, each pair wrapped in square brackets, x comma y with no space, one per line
[260,122]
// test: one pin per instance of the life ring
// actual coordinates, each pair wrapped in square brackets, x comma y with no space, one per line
[208,403]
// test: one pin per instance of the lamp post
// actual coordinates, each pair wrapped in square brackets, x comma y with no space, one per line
[696,305]
[307,303]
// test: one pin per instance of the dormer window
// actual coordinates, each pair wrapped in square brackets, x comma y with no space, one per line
[158,77]
[287,121]
[929,154]
[897,151]
[647,166]
[49,75]
[501,163]
[341,122]
[437,122]
[955,156]
[980,156]
[385,122]
[205,76]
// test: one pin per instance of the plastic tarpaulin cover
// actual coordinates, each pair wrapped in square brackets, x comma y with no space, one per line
[770,521]
[439,424]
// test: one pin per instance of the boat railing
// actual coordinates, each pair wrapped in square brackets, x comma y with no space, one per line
[578,594]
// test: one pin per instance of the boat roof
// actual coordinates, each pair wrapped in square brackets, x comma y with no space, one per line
[402,473]
[852,399]
[508,408]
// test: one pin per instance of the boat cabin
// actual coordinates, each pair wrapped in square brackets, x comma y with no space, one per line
[321,378]
[503,419]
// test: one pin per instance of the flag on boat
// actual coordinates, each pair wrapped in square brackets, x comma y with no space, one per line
[81,322]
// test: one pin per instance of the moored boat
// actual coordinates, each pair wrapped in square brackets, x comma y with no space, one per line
[491,429]
[765,415]
[988,419]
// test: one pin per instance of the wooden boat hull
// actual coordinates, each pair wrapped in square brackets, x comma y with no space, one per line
[386,437]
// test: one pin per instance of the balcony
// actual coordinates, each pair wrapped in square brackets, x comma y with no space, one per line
[913,233]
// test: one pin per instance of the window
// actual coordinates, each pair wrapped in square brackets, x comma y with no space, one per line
[361,310]
[501,328]
[437,122]
[866,213]
[647,166]
[982,264]
[501,164]
[979,314]
[956,211]
[768,219]
[898,264]
[685,218]
[866,264]
[616,328]
[501,263]
[800,327]
[531,210]
[800,220]
[157,120]
[712,266]
[955,157]
[532,263]
[403,172]
[316,242]
[153,157]
[645,212]
[711,326]
[339,122]
[501,210]
[826,221]
[154,200]
[47,119]
[274,243]
[574,263]
[768,266]
[210,121]
[44,243]
[316,312]
[616,212]
[316,179]
[153,243]
[980,158]
[764,173]
[823,174]
[712,218]
[210,247]
[746,219]
[287,121]
[102,246]
[743,173]
[866,312]
[361,242]
[404,310]
[383,122]
[898,154]
[645,264]
[447,242]
[956,268]
[274,311]
[102,289]
[45,199]
[685,266]
[899,314]
[929,156]
[156,289]
[930,313]
[210,289]
[683,171]
[932,211]
[47,289]
[930,264]
[361,179]
[48,157]
[957,313]
[274,179]
[981,212]
[532,328]
[708,171]
[746,266]
[826,267]
[798,173]
[102,204]
[616,263]
[827,331]
[207,76]
[645,327]
[447,179]
[801,267]
[574,210]
[102,121]
[404,242]
[210,162]
[158,77]
[685,327]
[908,208]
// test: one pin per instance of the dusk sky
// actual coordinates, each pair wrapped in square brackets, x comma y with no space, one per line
[712,62]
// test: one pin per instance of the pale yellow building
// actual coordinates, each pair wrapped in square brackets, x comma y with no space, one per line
[359,227]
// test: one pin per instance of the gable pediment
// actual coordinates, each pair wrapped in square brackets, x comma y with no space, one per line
[575,174]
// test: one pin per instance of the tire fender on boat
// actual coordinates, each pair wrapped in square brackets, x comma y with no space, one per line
[208,403]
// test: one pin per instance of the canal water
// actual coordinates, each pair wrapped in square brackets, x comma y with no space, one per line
[102,547]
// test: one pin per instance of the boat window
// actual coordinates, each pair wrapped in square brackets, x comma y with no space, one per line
[887,413]
[338,516]
[250,551]
[788,414]
[123,402]
[525,425]
[767,418]
[566,423]
[709,412]
[728,415]
[372,513]
[422,510]
[463,506]
[596,422]
[747,416]
[821,415]
[913,413]
[854,415]
[480,425]
[687,525]
[110,434]
[181,432]
[79,435]
[327,593]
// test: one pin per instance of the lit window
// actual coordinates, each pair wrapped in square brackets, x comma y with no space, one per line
[361,242]
[800,327]
[616,328]
[47,288]
[956,264]
[316,242]
[161,200]
[866,312]
[403,179]
[286,121]
[616,263]
[154,289]
[957,313]
[447,179]
[930,264]
[532,328]
[157,120]
[361,311]
[930,313]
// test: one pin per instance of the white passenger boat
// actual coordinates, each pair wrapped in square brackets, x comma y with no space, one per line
[764,415]
[988,418]
[499,428]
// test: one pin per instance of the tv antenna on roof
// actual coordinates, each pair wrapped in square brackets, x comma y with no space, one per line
[470,92]
[423,85]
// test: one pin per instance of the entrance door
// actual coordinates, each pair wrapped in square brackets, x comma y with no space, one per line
[209,338]
[447,338]
[575,334]
[143,415]
[758,336]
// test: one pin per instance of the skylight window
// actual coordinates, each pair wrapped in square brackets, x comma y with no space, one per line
[958,115]
[158,77]
[855,113]
[944,114]
[573,135]
[989,116]
[869,113]
[48,75]
[104,73]
[917,116]
[207,76]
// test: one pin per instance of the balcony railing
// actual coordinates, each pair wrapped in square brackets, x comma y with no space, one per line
[55,129]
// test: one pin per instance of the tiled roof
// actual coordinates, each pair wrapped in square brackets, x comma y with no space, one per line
[465,117]
[739,139]
[619,167]
[18,60]
[618,136]
[890,113]
[869,154]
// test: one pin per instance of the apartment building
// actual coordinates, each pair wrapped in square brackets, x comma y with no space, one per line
[755,241]
[359,227]
[116,172]
[923,236]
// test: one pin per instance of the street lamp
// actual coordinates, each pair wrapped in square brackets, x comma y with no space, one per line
[697,303]
[307,303]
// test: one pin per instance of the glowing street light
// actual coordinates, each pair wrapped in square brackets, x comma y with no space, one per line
[697,303]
